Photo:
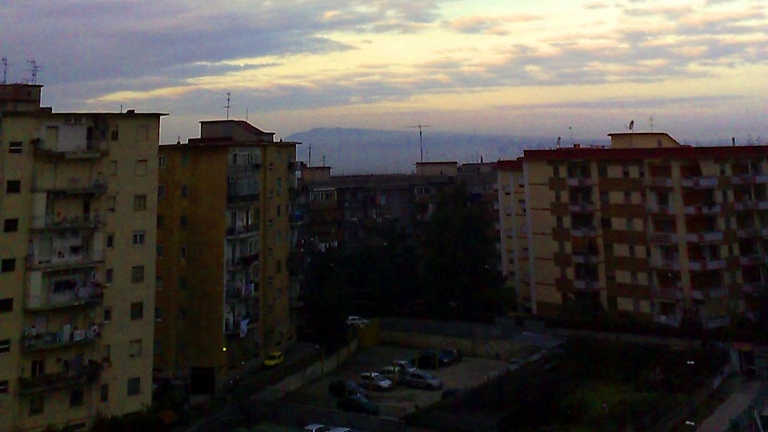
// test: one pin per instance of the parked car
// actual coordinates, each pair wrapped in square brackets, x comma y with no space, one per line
[273,359]
[423,380]
[375,381]
[317,428]
[342,389]
[404,366]
[451,354]
[392,373]
[357,321]
[358,404]
[431,360]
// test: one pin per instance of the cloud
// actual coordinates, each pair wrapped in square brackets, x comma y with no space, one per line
[490,25]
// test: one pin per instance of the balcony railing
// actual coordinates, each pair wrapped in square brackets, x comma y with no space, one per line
[715,322]
[669,320]
[75,377]
[582,207]
[242,261]
[702,209]
[580,181]
[586,284]
[709,293]
[754,288]
[89,295]
[242,198]
[73,186]
[699,182]
[241,292]
[748,232]
[746,179]
[704,264]
[86,149]
[668,293]
[83,259]
[665,209]
[585,258]
[584,232]
[240,326]
[752,259]
[665,264]
[663,237]
[751,204]
[77,221]
[704,237]
[242,231]
[658,182]
[55,340]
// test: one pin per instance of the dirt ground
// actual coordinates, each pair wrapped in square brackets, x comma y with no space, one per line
[402,400]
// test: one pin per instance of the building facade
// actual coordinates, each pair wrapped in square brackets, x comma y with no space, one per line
[647,228]
[224,240]
[77,279]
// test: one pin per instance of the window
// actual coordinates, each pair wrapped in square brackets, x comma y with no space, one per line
[106,351]
[159,251]
[141,167]
[183,221]
[13,186]
[14,147]
[184,191]
[36,405]
[161,161]
[138,238]
[37,368]
[556,171]
[602,171]
[111,203]
[137,310]
[182,283]
[137,274]
[278,210]
[8,265]
[75,398]
[110,240]
[161,191]
[158,314]
[6,305]
[160,220]
[4,386]
[104,392]
[159,283]
[11,225]
[632,253]
[183,252]
[107,314]
[109,275]
[5,345]
[134,386]
[185,159]
[139,202]
[134,348]
[114,133]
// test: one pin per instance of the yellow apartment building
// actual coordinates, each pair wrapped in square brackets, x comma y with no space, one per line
[224,238]
[77,273]
[648,228]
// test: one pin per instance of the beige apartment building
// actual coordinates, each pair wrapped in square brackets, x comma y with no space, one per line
[224,287]
[77,273]
[646,227]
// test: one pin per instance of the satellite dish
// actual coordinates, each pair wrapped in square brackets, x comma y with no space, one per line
[631,125]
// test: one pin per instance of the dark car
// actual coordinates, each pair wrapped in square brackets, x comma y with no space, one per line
[358,404]
[342,389]
[431,360]
[451,354]
[422,380]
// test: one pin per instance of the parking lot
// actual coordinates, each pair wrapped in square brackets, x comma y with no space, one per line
[402,400]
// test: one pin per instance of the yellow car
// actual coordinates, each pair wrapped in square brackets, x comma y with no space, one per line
[273,359]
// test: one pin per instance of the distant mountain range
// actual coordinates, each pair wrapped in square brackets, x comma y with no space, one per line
[368,151]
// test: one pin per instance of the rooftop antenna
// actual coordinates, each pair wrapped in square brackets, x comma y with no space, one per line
[5,70]
[570,129]
[631,125]
[34,68]
[309,158]
[558,142]
[421,140]
[650,120]
[228,106]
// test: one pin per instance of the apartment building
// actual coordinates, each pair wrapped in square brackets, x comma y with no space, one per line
[224,289]
[647,228]
[78,212]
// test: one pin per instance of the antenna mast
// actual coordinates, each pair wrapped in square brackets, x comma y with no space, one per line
[421,140]
[228,106]
[33,69]
[5,70]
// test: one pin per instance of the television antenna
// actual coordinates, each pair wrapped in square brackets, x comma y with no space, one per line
[650,120]
[5,70]
[34,68]
[228,106]
[421,140]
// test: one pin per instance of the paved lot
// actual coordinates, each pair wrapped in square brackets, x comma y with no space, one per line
[468,373]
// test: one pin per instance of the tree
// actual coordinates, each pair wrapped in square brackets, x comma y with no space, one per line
[459,273]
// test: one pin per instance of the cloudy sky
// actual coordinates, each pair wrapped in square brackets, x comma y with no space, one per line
[698,68]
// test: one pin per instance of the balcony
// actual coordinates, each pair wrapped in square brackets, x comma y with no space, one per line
[582,207]
[580,181]
[709,293]
[747,179]
[47,341]
[749,232]
[88,295]
[663,237]
[76,221]
[233,198]
[241,292]
[71,187]
[76,377]
[665,209]
[699,182]
[63,261]
[72,149]
[586,284]
[585,258]
[584,232]
[240,326]
[658,182]
[242,261]
[752,259]
[665,264]
[751,204]
[242,231]
[705,264]
[668,293]
[754,288]
[702,209]
[704,237]
[715,322]
[668,320]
